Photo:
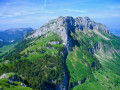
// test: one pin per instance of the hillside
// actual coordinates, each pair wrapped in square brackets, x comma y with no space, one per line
[67,53]
[11,35]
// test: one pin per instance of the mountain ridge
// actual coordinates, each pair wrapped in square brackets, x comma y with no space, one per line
[63,25]
[67,53]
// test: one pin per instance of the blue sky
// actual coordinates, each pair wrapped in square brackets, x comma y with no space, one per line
[34,13]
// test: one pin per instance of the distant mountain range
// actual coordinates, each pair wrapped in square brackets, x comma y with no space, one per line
[11,35]
[116,32]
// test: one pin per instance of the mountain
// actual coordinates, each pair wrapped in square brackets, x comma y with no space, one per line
[67,53]
[10,35]
[64,25]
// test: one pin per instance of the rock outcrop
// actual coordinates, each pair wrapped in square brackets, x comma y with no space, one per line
[11,78]
[94,49]
[0,88]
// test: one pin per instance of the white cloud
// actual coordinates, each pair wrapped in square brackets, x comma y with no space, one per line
[28,19]
[116,15]
[115,7]
[74,10]
[23,13]
[11,3]
[45,3]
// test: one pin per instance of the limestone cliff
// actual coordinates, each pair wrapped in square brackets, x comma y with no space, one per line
[63,26]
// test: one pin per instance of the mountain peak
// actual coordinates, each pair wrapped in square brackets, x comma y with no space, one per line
[63,26]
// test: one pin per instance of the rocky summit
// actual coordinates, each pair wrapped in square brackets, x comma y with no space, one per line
[66,54]
[63,25]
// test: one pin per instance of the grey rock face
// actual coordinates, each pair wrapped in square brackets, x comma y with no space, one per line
[54,42]
[64,25]
[24,85]
[86,23]
[94,49]
[59,26]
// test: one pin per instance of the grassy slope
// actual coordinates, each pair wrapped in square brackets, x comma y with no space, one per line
[79,64]
[103,80]
[39,47]
[38,58]
[6,49]
[110,55]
